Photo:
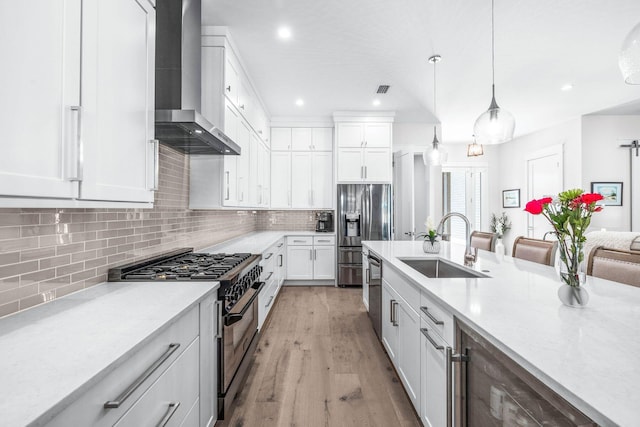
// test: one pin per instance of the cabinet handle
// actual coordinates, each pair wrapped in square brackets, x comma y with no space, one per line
[242,107]
[450,359]
[391,310]
[365,143]
[324,240]
[76,112]
[280,260]
[425,332]
[228,88]
[361,171]
[270,301]
[227,174]
[395,313]
[218,317]
[365,172]
[280,245]
[269,276]
[367,276]
[173,407]
[142,378]
[434,319]
[268,256]
[260,131]
[310,254]
[299,241]
[156,163]
[315,254]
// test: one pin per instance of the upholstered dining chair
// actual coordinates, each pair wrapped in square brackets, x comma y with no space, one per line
[613,264]
[484,240]
[536,250]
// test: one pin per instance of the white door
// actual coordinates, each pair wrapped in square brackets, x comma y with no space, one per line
[243,172]
[280,139]
[118,57]
[230,179]
[40,87]
[264,173]
[405,227]
[544,179]
[350,164]
[635,191]
[280,179]
[389,330]
[350,135]
[324,262]
[377,135]
[301,180]
[299,262]
[433,396]
[322,180]
[301,139]
[231,78]
[377,164]
[409,351]
[254,177]
[322,139]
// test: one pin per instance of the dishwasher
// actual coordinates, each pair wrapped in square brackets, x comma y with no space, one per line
[374,280]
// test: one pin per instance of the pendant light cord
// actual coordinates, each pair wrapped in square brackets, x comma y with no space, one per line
[493,53]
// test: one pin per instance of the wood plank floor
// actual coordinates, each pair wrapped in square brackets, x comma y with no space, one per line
[319,363]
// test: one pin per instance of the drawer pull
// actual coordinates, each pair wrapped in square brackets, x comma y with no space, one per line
[324,240]
[173,407]
[425,332]
[269,256]
[280,245]
[299,241]
[269,276]
[435,320]
[142,378]
[270,301]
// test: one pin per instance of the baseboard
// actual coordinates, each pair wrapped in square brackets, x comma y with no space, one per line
[309,283]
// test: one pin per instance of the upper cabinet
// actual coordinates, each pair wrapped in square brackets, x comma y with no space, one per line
[363,148]
[78,98]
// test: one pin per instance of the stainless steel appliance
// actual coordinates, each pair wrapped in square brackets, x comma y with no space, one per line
[238,275]
[375,292]
[364,213]
[493,390]
[324,222]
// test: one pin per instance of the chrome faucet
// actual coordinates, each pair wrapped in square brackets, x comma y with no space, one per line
[469,254]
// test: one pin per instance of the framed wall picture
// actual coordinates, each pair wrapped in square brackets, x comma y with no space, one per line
[511,198]
[611,191]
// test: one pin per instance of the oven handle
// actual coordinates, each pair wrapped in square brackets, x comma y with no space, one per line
[230,319]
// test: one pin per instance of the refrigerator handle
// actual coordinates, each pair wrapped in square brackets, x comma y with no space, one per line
[366,212]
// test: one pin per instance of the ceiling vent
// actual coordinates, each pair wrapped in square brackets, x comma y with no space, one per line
[382,89]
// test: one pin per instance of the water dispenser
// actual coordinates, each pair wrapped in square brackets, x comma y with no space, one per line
[352,220]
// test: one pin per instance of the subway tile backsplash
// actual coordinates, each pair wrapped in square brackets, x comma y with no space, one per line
[48,253]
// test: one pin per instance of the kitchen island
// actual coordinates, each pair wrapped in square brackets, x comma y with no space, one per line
[588,356]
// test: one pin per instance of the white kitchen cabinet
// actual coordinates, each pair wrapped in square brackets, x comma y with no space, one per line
[311,258]
[106,50]
[301,173]
[243,168]
[280,179]
[272,274]
[231,78]
[433,385]
[389,330]
[280,139]
[324,262]
[264,174]
[365,277]
[350,166]
[377,135]
[299,262]
[230,179]
[312,180]
[364,151]
[254,179]
[322,139]
[350,134]
[377,164]
[301,139]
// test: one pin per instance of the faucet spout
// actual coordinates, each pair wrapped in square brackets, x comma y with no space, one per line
[469,253]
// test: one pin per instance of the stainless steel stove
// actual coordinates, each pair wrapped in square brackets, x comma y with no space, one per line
[239,276]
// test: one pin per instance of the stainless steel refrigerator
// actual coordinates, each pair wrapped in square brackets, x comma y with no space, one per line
[364,213]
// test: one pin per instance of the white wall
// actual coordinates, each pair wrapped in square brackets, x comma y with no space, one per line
[512,170]
[604,161]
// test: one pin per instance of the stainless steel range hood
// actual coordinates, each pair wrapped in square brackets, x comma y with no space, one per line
[178,119]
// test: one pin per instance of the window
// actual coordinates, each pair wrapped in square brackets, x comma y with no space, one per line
[464,191]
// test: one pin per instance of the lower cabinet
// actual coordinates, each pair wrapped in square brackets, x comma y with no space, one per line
[311,258]
[272,276]
[300,262]
[401,339]
[433,370]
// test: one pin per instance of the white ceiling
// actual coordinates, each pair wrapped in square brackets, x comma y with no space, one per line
[341,50]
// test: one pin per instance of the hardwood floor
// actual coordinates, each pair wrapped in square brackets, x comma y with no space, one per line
[319,363]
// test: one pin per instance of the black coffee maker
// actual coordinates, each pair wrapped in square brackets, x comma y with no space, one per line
[324,222]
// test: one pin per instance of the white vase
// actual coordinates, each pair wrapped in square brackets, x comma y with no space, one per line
[431,248]
[499,249]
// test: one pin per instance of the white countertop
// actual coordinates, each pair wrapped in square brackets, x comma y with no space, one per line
[590,356]
[258,242]
[50,354]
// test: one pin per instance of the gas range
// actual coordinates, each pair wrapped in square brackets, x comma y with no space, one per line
[238,273]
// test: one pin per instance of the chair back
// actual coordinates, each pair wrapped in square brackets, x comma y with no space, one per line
[536,250]
[613,264]
[484,240]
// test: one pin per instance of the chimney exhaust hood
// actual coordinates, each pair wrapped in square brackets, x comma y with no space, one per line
[178,122]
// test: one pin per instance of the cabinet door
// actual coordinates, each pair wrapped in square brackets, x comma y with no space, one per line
[300,263]
[350,135]
[301,139]
[377,135]
[230,179]
[263,174]
[231,78]
[350,164]
[280,179]
[389,330]
[280,139]
[118,107]
[433,396]
[243,171]
[365,281]
[377,164]
[409,351]
[322,180]
[324,265]
[301,180]
[245,105]
[254,179]
[322,139]
[40,84]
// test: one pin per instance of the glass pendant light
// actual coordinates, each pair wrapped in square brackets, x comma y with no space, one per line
[435,155]
[629,59]
[475,149]
[495,125]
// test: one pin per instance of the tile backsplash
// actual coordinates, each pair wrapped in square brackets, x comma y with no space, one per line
[48,253]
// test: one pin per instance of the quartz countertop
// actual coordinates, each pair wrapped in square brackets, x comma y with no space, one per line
[590,356]
[258,242]
[52,353]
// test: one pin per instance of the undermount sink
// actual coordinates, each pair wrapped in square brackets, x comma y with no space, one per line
[438,268]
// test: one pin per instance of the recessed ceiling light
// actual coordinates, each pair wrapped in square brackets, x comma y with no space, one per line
[299,102]
[376,102]
[284,32]
[566,87]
